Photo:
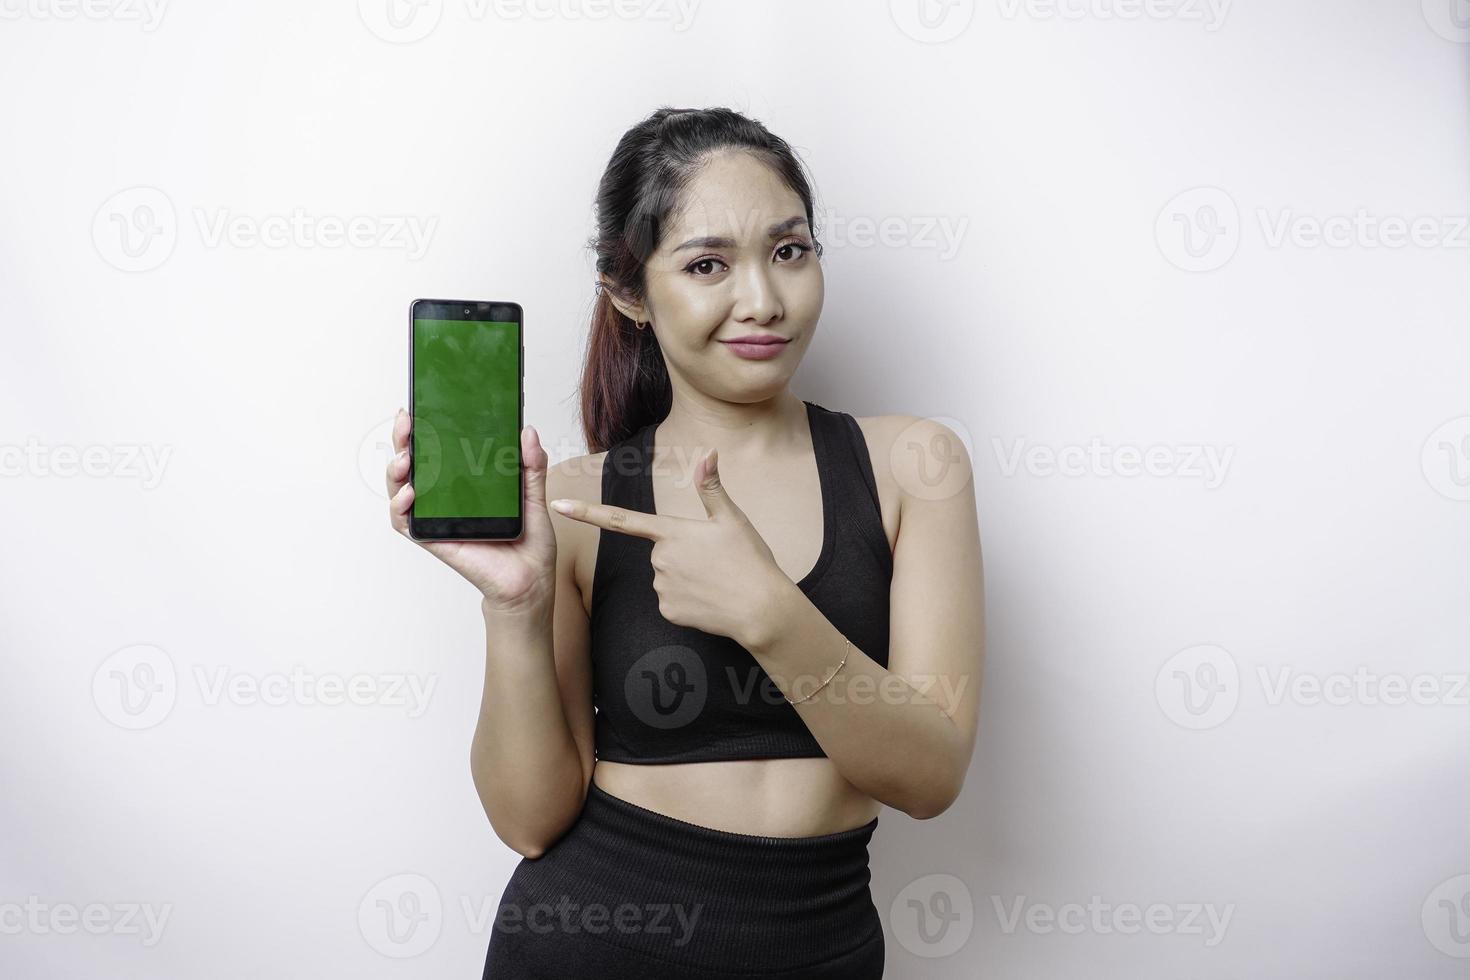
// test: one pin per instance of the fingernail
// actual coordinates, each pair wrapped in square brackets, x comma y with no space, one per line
[562,506]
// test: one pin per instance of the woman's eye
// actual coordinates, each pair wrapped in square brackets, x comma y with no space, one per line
[705,264]
[701,263]
[798,245]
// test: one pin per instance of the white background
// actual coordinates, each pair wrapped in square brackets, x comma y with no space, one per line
[1135,746]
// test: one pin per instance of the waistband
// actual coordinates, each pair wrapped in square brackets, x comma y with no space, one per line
[729,901]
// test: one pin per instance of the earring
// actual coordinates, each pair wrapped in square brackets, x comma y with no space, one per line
[638,324]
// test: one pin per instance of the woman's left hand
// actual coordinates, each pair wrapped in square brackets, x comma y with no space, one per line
[715,575]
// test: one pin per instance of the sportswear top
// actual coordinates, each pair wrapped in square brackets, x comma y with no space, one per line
[665,693]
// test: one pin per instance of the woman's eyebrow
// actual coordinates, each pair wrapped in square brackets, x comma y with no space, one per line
[775,231]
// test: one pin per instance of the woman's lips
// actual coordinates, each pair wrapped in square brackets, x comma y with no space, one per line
[754,351]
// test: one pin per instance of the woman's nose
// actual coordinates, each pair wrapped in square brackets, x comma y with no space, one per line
[755,297]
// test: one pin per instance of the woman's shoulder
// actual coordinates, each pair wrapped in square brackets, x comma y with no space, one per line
[902,433]
[898,430]
[576,478]
[579,475]
[914,456]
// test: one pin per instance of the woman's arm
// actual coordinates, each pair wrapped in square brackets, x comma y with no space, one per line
[902,734]
[531,757]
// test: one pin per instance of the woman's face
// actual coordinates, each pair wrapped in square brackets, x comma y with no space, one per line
[736,259]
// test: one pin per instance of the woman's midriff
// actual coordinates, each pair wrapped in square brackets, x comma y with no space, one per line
[766,797]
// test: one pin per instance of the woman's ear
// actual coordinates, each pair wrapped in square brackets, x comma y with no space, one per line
[631,310]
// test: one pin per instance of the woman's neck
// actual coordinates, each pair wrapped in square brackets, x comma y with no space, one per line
[766,428]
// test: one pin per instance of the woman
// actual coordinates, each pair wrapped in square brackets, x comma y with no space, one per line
[727,614]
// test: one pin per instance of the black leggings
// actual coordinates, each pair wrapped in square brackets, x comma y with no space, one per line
[632,894]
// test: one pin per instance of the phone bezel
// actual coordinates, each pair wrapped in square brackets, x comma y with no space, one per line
[469,528]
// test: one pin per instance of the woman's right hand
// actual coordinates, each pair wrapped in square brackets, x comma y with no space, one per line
[514,576]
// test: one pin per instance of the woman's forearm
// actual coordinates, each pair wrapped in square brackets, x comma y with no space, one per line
[524,761]
[886,737]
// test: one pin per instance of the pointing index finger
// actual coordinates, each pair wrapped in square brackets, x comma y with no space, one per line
[606,516]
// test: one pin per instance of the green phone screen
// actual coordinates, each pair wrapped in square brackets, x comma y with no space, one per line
[466,415]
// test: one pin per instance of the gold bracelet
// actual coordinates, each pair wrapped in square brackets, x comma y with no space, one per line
[845,650]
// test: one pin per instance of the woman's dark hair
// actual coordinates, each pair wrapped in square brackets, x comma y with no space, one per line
[625,384]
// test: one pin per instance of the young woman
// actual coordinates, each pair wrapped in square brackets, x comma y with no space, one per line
[774,608]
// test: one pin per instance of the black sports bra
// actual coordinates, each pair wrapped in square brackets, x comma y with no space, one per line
[665,693]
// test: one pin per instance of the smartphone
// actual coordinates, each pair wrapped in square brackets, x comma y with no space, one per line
[467,395]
